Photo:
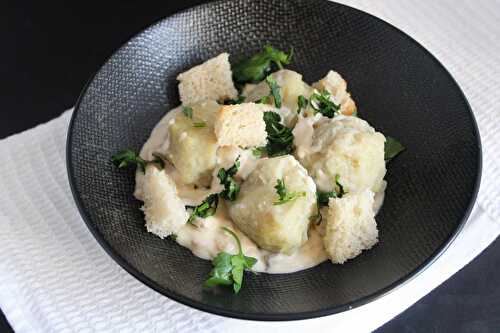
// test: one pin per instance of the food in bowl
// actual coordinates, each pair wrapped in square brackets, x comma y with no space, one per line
[258,170]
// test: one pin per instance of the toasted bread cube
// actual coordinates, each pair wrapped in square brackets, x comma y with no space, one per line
[241,125]
[211,80]
[163,209]
[275,227]
[192,150]
[337,86]
[350,226]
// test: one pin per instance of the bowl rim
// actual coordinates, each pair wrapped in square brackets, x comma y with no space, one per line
[270,316]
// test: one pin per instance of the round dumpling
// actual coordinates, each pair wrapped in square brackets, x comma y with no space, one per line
[291,87]
[275,227]
[348,147]
[192,149]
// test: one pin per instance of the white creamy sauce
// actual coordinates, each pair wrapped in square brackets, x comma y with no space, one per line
[303,134]
[207,240]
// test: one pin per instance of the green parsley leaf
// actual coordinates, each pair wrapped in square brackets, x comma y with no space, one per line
[187,111]
[392,148]
[205,209]
[321,103]
[231,187]
[129,157]
[275,90]
[199,124]
[324,197]
[238,100]
[279,137]
[228,269]
[263,100]
[259,151]
[302,103]
[173,237]
[284,195]
[255,68]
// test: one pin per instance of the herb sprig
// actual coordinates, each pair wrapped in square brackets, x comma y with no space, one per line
[275,90]
[285,195]
[255,68]
[129,157]
[321,103]
[228,268]
[240,99]
[392,148]
[302,103]
[279,137]
[231,187]
[205,209]
[324,197]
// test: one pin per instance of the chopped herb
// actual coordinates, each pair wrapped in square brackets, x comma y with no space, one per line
[129,157]
[302,103]
[275,90]
[324,197]
[263,100]
[199,124]
[238,100]
[284,195]
[228,268]
[259,151]
[205,209]
[159,159]
[188,112]
[255,68]
[392,148]
[279,137]
[321,103]
[173,237]
[231,187]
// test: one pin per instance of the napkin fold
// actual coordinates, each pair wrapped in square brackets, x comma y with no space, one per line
[55,277]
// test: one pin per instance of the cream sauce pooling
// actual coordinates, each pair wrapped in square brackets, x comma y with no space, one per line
[208,240]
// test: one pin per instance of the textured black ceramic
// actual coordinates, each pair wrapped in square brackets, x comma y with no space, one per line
[401,89]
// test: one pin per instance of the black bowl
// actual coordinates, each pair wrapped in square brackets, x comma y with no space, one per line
[400,88]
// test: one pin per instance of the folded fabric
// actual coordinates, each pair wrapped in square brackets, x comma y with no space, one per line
[55,277]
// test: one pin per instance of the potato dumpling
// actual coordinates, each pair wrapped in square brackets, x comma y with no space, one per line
[192,149]
[163,209]
[276,228]
[348,147]
[291,85]
[350,226]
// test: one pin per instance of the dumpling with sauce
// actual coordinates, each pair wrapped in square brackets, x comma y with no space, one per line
[276,226]
[192,143]
[291,86]
[345,146]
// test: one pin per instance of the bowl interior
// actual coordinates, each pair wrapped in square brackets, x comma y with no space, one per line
[399,88]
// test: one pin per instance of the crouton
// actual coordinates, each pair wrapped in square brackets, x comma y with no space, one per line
[241,125]
[163,209]
[350,226]
[211,80]
[337,86]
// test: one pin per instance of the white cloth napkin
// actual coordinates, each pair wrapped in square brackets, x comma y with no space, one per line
[54,277]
